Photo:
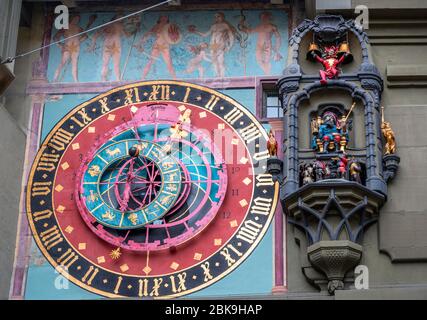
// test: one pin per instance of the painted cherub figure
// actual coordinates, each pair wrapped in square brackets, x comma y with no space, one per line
[330,62]
[200,55]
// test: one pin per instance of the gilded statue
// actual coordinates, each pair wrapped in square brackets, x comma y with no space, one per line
[355,171]
[390,146]
[272,144]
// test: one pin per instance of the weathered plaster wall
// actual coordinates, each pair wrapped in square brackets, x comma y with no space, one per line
[15,109]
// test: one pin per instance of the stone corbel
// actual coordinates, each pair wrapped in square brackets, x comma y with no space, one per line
[391,165]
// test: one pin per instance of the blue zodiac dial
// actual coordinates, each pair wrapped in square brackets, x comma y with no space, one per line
[152,184]
[131,183]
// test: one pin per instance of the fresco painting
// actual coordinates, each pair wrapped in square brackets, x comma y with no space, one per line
[166,45]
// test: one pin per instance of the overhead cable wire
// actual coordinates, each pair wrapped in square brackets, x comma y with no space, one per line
[11,59]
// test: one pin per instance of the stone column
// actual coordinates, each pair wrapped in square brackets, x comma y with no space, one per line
[279,230]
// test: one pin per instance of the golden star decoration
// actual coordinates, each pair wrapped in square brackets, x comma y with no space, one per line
[115,254]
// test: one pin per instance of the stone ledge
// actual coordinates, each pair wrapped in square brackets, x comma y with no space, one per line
[413,75]
[407,72]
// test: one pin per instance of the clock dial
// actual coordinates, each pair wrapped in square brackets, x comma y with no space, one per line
[152,190]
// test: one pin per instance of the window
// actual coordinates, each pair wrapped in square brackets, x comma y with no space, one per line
[272,106]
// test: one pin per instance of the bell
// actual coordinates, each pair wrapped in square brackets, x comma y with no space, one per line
[313,48]
[345,48]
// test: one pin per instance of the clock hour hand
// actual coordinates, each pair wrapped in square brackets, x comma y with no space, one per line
[134,153]
[177,131]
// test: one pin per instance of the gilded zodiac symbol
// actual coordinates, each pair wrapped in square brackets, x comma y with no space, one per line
[133,218]
[166,199]
[167,165]
[94,171]
[172,188]
[108,216]
[92,197]
[114,152]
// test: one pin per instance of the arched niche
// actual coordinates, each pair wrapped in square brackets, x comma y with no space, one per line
[340,103]
[296,115]
[311,68]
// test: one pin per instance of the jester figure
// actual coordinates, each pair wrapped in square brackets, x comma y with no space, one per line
[330,62]
[330,134]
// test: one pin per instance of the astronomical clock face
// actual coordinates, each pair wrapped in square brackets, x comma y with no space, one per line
[153,190]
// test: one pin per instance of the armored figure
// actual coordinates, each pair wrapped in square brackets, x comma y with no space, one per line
[390,146]
[355,171]
[334,168]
